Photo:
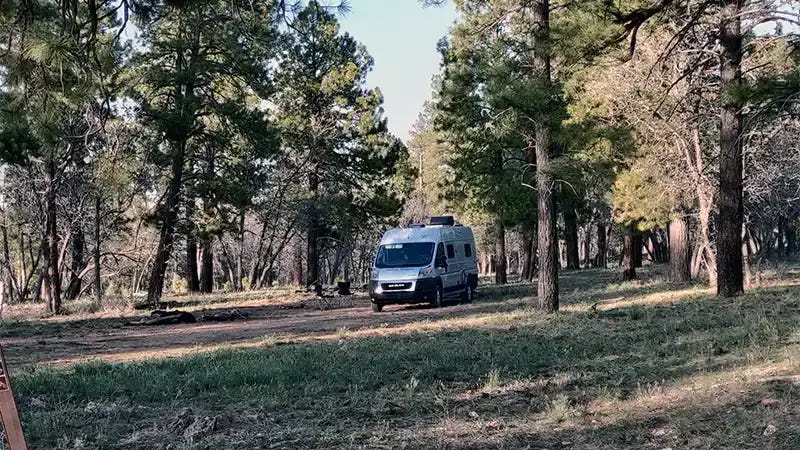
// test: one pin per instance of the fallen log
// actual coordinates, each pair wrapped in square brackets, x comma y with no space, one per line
[159,317]
[225,316]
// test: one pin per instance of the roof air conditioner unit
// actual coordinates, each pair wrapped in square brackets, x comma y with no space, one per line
[443,220]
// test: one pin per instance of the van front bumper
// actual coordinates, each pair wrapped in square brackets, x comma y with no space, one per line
[421,290]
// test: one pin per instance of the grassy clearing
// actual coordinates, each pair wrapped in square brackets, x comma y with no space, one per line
[661,367]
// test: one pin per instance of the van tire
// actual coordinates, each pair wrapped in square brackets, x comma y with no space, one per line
[469,293]
[438,296]
[377,308]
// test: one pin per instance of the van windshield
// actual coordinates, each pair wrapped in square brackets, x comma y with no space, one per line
[411,254]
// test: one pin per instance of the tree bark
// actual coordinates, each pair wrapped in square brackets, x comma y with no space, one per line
[240,255]
[206,265]
[571,237]
[255,268]
[587,247]
[527,255]
[77,246]
[601,246]
[780,238]
[297,261]
[183,107]
[637,247]
[679,252]
[312,241]
[500,272]
[169,217]
[192,278]
[51,249]
[730,279]
[628,252]
[98,282]
[791,241]
[546,233]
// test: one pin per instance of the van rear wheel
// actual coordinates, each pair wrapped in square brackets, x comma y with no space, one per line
[377,308]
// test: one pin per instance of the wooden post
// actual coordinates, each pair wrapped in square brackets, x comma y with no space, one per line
[8,410]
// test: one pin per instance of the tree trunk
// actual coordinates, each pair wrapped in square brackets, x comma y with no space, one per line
[587,247]
[708,253]
[9,280]
[53,281]
[637,247]
[206,265]
[628,253]
[192,278]
[98,282]
[571,237]
[527,255]
[546,233]
[730,280]
[312,255]
[791,241]
[240,255]
[662,245]
[650,246]
[748,251]
[169,213]
[679,253]
[255,267]
[22,285]
[601,246]
[297,261]
[780,238]
[77,246]
[500,272]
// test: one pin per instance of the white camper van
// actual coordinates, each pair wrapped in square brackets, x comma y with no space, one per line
[424,263]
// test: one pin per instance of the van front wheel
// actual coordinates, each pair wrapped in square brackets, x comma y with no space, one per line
[438,297]
[469,293]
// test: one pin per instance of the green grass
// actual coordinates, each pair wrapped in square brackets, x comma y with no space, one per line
[677,370]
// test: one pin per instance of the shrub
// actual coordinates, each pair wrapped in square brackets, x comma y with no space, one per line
[180,286]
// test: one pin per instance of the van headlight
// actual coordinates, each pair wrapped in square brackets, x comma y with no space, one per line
[374,275]
[426,272]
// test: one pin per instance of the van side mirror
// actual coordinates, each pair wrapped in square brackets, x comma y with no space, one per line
[441,263]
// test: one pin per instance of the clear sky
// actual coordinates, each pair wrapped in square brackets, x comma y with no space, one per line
[401,36]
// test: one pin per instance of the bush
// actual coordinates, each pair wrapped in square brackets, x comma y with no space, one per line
[180,286]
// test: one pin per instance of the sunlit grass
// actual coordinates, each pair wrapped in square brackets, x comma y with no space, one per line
[660,366]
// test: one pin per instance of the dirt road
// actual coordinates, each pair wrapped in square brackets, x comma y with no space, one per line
[287,323]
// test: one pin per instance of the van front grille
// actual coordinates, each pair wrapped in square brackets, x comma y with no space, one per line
[395,286]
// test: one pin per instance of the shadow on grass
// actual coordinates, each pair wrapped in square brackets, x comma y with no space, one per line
[763,416]
[386,389]
[576,286]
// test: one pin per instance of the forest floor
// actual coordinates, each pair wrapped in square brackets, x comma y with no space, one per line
[646,364]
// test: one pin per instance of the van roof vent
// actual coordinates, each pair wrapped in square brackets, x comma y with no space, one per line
[416,225]
[443,220]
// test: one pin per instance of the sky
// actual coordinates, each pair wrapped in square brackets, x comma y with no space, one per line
[401,36]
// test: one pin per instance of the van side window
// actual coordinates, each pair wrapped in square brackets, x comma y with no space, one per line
[451,251]
[467,250]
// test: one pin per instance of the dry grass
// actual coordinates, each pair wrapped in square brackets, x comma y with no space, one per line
[660,367]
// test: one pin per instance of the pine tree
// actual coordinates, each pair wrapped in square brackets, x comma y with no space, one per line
[332,127]
[200,60]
